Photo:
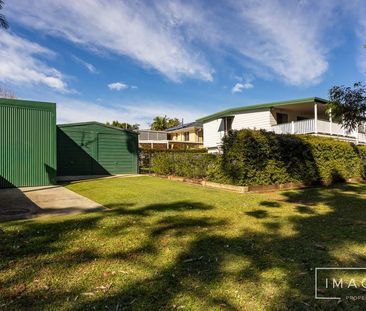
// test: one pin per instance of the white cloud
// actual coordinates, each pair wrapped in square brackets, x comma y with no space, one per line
[117,86]
[286,40]
[134,29]
[20,63]
[239,87]
[71,110]
[87,65]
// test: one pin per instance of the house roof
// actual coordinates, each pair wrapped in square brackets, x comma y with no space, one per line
[96,123]
[184,126]
[234,110]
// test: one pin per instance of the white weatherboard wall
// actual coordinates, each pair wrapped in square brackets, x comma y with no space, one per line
[252,120]
[213,131]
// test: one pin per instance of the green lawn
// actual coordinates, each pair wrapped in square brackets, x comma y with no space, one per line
[169,245]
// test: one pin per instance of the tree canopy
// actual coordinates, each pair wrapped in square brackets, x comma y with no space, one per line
[173,122]
[348,105]
[162,123]
[124,125]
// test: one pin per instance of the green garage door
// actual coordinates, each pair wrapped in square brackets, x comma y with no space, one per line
[94,148]
[114,154]
[75,152]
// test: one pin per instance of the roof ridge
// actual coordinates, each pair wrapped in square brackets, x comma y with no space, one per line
[261,106]
[95,122]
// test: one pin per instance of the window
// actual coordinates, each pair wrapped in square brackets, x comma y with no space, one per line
[228,122]
[186,136]
[282,118]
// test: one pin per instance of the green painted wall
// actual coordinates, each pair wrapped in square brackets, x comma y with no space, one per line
[95,149]
[27,143]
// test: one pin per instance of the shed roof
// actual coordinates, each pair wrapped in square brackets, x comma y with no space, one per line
[234,110]
[28,104]
[95,123]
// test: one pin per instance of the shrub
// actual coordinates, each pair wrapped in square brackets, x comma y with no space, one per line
[146,157]
[263,158]
[252,157]
[362,150]
[186,164]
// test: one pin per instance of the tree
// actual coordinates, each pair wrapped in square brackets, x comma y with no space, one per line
[124,125]
[173,122]
[163,123]
[4,93]
[159,123]
[3,22]
[348,105]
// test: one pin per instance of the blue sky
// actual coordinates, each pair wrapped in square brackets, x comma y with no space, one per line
[110,60]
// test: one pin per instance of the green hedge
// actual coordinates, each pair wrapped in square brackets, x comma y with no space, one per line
[362,150]
[192,165]
[263,158]
[252,157]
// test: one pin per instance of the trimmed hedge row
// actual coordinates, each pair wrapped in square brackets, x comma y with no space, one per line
[262,158]
[146,157]
[192,165]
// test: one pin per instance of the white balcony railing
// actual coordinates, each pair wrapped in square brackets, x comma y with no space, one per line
[319,127]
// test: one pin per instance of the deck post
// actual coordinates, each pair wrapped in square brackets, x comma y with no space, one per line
[356,134]
[292,127]
[330,122]
[315,118]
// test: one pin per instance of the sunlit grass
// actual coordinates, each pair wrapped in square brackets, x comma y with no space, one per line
[168,245]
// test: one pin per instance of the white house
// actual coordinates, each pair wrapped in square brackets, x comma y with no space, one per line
[298,116]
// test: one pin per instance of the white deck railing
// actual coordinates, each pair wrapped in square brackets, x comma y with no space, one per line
[297,127]
[319,127]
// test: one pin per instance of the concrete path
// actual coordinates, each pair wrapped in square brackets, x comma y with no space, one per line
[43,201]
[84,177]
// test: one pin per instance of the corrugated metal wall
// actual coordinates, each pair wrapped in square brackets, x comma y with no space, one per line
[27,143]
[95,149]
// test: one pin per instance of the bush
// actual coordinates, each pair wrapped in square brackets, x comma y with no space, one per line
[252,157]
[362,150]
[263,158]
[163,163]
[186,164]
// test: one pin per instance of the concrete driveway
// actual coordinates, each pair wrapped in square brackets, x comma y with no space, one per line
[21,203]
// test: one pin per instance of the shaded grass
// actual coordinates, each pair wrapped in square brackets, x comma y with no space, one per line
[168,245]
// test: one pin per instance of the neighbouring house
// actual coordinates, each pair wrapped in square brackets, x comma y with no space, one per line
[190,133]
[151,139]
[184,136]
[298,116]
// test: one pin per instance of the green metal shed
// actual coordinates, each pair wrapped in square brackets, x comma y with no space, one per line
[93,148]
[27,143]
